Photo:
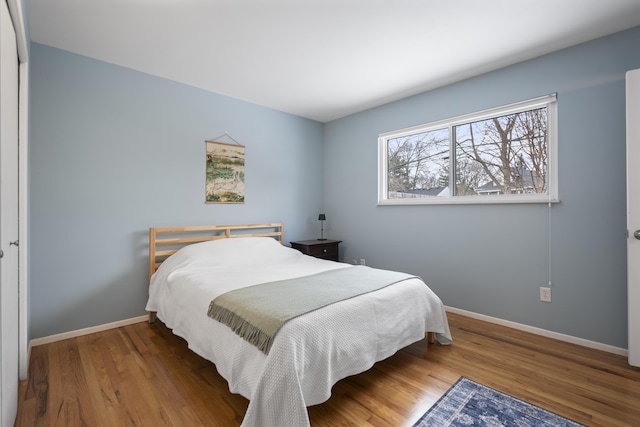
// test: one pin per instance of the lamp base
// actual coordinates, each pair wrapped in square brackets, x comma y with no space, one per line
[322,239]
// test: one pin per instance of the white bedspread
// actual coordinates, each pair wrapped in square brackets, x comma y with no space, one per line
[310,353]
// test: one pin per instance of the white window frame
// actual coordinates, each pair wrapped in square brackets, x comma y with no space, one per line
[548,101]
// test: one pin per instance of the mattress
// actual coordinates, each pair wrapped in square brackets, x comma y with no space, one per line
[310,353]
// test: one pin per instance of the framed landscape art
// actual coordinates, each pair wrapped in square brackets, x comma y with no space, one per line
[225,173]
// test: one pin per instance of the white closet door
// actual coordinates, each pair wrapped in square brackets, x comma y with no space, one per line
[633,214]
[8,219]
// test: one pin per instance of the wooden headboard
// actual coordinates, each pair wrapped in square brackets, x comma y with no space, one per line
[166,241]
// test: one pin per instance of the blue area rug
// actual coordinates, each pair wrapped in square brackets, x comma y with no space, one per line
[468,403]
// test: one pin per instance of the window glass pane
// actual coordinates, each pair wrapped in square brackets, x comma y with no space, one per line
[502,155]
[418,165]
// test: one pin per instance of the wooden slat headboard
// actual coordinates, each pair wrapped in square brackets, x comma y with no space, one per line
[166,241]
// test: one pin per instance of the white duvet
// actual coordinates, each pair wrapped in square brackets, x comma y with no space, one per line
[310,353]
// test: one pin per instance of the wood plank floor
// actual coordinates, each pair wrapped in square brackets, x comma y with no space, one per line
[142,375]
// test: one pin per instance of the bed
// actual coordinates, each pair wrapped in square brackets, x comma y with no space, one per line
[192,266]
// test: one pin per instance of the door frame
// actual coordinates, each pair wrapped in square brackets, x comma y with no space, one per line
[23,226]
[16,9]
[632,82]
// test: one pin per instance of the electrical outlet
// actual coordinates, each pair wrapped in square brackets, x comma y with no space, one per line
[545,294]
[362,261]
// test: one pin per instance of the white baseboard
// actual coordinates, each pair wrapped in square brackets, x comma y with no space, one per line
[86,331]
[508,323]
[542,332]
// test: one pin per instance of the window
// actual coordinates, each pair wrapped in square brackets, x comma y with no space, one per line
[502,155]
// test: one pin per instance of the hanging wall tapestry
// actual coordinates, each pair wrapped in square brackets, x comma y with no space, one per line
[225,173]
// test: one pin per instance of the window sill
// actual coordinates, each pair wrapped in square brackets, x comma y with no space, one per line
[468,200]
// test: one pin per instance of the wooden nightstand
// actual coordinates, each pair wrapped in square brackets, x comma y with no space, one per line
[325,249]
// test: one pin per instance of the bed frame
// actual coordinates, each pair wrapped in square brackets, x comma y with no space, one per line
[166,241]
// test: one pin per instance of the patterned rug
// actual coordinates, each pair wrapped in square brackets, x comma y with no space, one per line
[468,403]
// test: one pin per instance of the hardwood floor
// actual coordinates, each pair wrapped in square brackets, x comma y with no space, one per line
[143,375]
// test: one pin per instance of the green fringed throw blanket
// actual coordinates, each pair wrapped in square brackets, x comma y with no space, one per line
[256,313]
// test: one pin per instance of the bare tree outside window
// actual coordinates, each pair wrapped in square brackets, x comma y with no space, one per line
[415,163]
[510,151]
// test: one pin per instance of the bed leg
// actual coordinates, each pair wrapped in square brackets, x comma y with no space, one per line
[431,337]
[152,316]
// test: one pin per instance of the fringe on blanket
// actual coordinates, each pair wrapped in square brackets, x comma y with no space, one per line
[242,327]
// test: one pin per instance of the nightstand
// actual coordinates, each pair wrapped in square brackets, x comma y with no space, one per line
[325,249]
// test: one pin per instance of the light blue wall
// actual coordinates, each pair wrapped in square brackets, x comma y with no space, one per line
[492,259]
[113,152]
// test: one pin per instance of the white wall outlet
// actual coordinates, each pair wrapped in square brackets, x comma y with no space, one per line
[545,294]
[362,261]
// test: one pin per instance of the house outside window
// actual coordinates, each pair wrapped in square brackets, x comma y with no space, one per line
[502,155]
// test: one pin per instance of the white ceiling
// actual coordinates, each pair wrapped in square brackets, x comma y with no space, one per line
[321,59]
